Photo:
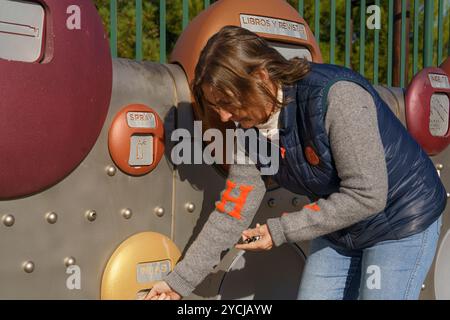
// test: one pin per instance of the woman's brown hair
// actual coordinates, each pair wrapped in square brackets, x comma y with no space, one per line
[229,60]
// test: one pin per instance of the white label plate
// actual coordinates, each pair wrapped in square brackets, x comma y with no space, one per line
[141,120]
[152,271]
[21,30]
[439,81]
[273,26]
[141,150]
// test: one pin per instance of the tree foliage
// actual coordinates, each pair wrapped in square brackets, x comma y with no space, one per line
[126,30]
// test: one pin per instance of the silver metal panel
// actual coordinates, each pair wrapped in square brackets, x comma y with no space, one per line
[89,187]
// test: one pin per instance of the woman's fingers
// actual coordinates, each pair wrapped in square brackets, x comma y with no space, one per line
[251,233]
[245,235]
[264,241]
[162,291]
[252,246]
[162,296]
[151,294]
[247,246]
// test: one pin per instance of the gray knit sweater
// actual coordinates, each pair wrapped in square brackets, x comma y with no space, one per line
[351,124]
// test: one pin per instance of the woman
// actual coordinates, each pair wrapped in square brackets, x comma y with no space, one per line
[377,200]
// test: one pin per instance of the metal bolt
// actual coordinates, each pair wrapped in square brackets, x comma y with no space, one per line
[51,217]
[423,286]
[111,170]
[271,203]
[28,266]
[159,211]
[8,220]
[91,215]
[69,261]
[190,207]
[439,168]
[296,202]
[127,213]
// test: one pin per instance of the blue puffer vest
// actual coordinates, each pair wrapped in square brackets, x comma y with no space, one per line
[416,196]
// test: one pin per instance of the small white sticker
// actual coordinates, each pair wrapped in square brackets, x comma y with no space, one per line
[152,271]
[439,110]
[141,120]
[439,81]
[141,150]
[273,26]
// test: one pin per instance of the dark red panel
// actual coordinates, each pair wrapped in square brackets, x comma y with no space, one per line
[418,98]
[446,66]
[52,112]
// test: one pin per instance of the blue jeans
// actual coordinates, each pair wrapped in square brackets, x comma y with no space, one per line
[389,270]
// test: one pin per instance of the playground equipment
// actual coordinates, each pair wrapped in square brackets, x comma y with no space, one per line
[91,205]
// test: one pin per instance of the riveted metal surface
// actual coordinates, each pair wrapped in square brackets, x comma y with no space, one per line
[89,187]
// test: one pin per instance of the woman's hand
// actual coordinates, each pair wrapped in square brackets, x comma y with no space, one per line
[162,291]
[264,242]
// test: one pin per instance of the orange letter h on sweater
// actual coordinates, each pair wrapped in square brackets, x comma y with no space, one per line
[238,201]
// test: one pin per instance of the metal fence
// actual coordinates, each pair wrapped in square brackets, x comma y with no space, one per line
[413,34]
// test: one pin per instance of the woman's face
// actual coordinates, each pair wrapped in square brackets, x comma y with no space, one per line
[248,115]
